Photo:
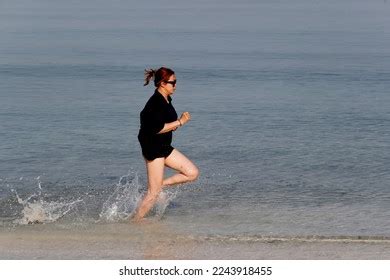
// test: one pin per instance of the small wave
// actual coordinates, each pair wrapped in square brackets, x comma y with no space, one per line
[308,238]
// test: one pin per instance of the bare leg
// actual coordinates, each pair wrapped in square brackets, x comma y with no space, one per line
[179,162]
[155,170]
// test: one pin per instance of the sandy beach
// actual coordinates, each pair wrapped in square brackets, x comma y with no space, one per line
[153,241]
[289,128]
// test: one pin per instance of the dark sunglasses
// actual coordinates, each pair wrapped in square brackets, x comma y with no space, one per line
[173,83]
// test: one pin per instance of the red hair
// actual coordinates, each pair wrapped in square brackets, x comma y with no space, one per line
[161,75]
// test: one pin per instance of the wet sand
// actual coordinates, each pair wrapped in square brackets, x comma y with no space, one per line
[153,241]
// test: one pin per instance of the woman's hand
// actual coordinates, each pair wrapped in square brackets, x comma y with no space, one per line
[185,117]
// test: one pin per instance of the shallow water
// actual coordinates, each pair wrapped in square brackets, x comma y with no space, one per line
[290,114]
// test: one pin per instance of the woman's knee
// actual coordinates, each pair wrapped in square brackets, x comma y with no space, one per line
[193,173]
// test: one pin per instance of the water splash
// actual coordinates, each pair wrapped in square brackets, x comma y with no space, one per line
[163,201]
[51,203]
[124,200]
[38,211]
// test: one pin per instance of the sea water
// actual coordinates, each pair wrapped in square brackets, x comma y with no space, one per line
[289,101]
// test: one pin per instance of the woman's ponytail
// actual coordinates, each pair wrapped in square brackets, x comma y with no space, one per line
[149,74]
[160,75]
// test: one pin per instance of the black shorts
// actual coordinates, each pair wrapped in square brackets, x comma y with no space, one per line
[151,153]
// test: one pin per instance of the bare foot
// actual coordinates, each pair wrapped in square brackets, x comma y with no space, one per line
[141,221]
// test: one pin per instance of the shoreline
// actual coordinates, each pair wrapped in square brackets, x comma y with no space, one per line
[122,241]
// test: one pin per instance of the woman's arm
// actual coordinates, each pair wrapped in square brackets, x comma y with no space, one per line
[170,127]
[185,117]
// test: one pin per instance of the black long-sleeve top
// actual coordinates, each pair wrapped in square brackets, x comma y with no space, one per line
[156,113]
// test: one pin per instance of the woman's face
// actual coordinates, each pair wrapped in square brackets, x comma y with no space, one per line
[170,85]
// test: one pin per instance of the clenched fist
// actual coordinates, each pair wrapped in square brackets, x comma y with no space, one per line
[185,117]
